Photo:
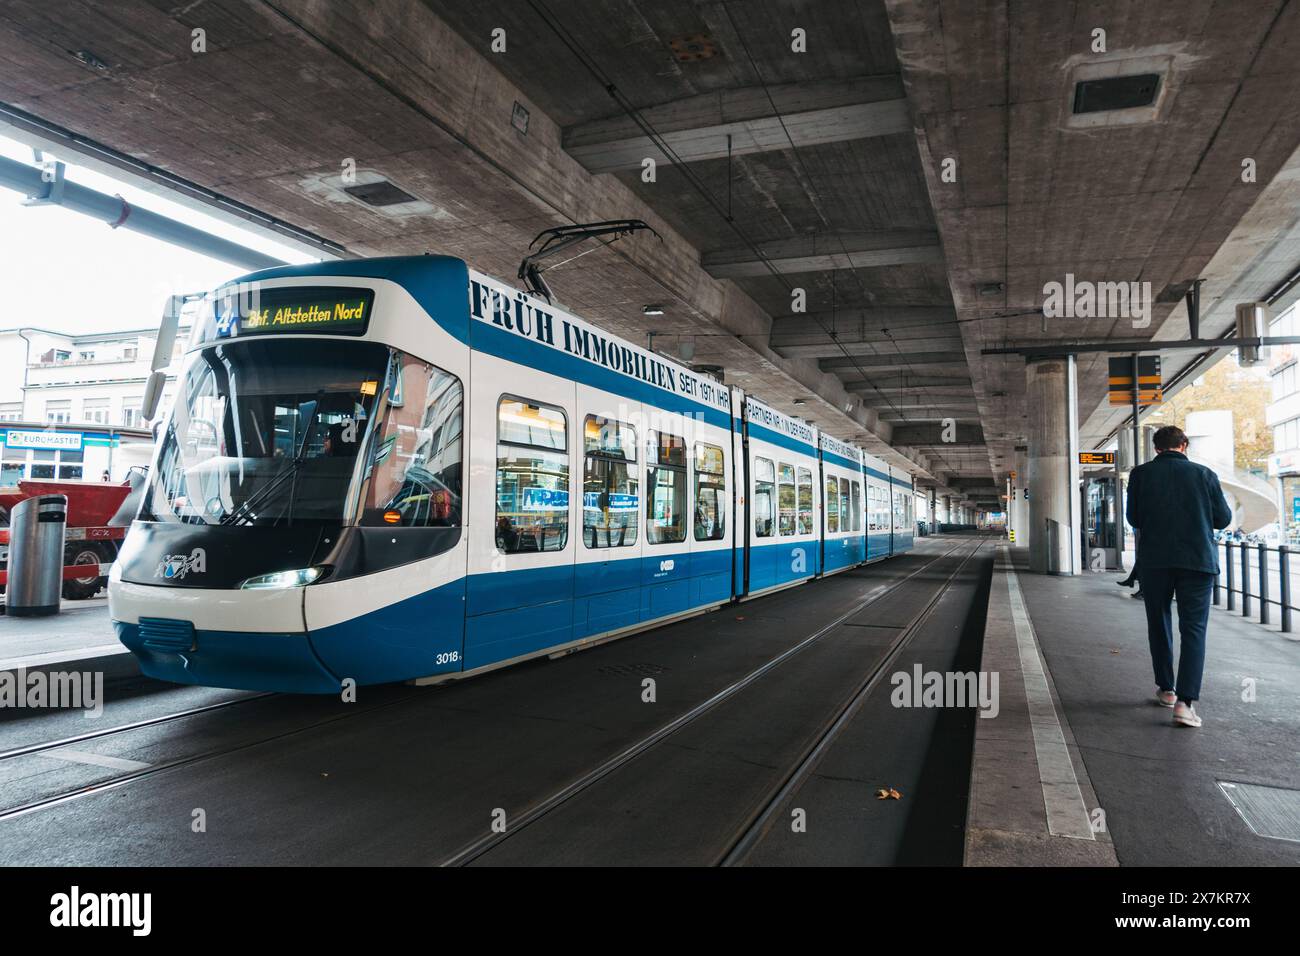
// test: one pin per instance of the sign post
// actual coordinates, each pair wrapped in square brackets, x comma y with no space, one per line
[1135,381]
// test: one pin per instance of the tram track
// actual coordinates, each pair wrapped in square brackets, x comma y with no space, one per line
[107,732]
[540,809]
[113,783]
[752,831]
[474,850]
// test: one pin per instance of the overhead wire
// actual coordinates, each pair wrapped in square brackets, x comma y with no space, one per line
[591,66]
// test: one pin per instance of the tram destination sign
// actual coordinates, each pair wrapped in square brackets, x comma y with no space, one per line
[337,311]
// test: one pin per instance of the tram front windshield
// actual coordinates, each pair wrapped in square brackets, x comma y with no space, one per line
[267,432]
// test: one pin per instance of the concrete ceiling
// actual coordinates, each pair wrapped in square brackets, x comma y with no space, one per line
[825,178]
[1038,196]
[833,185]
[288,91]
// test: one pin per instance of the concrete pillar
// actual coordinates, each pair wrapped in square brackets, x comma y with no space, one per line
[1018,512]
[1052,400]
[934,511]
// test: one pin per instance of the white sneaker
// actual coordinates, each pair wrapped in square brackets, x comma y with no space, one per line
[1166,698]
[1185,715]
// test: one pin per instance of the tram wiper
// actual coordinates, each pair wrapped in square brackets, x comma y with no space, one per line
[263,494]
[259,497]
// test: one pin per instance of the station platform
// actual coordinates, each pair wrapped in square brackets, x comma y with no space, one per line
[1082,767]
[79,632]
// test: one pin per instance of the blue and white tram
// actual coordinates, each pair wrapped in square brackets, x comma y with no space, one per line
[903,528]
[393,469]
[844,536]
[783,546]
[880,518]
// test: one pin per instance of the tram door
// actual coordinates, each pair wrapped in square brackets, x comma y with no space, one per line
[1101,531]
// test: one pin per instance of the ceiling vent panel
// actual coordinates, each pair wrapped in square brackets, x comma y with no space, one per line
[382,193]
[1116,93]
[373,191]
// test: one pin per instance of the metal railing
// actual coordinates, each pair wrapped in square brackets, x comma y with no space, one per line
[1239,563]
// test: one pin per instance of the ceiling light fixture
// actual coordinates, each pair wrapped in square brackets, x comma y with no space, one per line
[519,117]
[652,310]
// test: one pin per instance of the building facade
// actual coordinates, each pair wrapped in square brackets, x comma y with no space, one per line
[70,452]
[1283,417]
[68,402]
[60,379]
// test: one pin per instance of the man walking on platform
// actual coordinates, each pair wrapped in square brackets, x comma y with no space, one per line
[1176,504]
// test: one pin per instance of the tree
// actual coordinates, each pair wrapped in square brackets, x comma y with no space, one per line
[1245,392]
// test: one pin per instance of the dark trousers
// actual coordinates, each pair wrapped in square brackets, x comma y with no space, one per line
[1194,589]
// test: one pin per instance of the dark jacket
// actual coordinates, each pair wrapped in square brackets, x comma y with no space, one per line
[1175,504]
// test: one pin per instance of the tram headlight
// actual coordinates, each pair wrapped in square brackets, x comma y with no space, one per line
[283,579]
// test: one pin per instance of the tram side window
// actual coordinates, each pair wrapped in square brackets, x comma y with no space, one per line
[415,471]
[805,522]
[666,489]
[855,503]
[710,493]
[764,498]
[532,477]
[833,506]
[785,499]
[610,502]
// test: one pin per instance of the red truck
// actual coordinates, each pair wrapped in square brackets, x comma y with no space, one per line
[90,545]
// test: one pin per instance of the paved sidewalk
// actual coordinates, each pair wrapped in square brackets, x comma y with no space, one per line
[1164,789]
[80,630]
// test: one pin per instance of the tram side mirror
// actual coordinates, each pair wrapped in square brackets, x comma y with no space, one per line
[166,341]
[153,389]
[162,356]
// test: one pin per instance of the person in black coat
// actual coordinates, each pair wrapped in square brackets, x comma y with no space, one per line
[1176,504]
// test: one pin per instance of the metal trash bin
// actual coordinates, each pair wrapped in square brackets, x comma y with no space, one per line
[36,532]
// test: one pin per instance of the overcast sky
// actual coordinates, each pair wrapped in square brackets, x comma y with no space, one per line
[67,272]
